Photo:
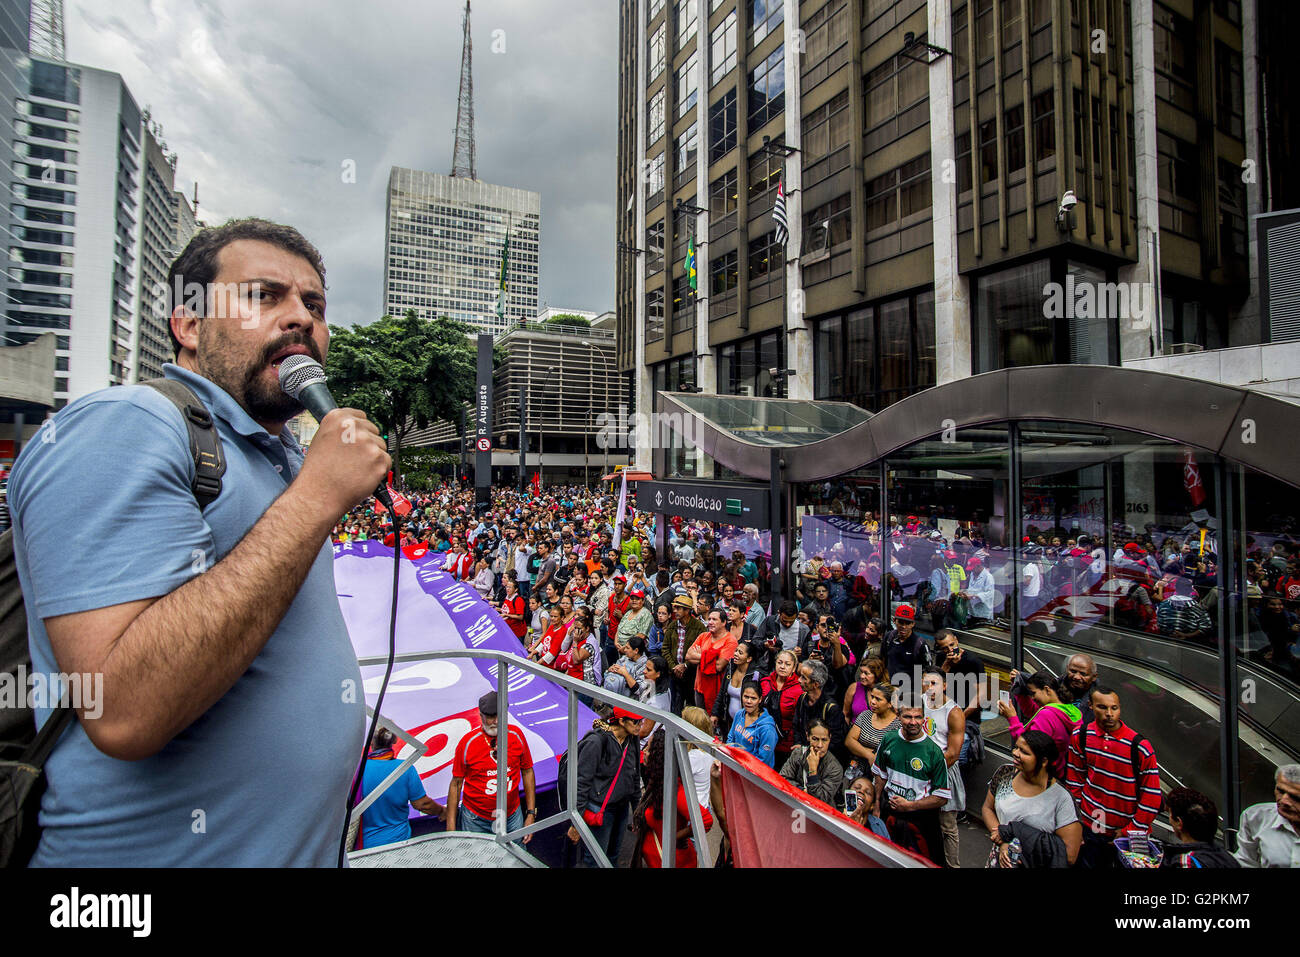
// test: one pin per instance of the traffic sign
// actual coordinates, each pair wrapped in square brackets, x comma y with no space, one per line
[484,445]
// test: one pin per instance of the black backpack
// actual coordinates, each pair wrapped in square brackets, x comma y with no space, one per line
[562,780]
[23,751]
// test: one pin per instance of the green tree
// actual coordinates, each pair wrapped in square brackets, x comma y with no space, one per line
[420,465]
[404,373]
[568,319]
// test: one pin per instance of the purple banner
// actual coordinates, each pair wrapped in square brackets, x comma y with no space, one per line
[437,701]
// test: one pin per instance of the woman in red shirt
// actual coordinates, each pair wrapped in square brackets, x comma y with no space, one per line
[513,608]
[781,690]
[553,637]
[650,819]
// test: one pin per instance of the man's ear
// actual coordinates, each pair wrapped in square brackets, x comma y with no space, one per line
[185,327]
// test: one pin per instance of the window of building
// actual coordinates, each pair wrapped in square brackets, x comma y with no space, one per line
[1228,96]
[765,256]
[743,367]
[765,172]
[655,7]
[654,315]
[1175,44]
[826,129]
[1014,124]
[829,225]
[688,85]
[1232,212]
[655,120]
[765,16]
[723,57]
[683,304]
[688,21]
[827,30]
[686,148]
[882,200]
[1176,172]
[654,247]
[655,175]
[1230,10]
[722,199]
[914,190]
[1044,126]
[723,274]
[767,89]
[988,151]
[722,126]
[892,87]
[963,158]
[877,355]
[658,52]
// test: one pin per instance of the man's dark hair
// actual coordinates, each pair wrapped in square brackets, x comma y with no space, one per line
[197,263]
[788,608]
[1197,812]
[1101,689]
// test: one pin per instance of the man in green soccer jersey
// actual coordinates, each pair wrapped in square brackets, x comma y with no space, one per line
[911,779]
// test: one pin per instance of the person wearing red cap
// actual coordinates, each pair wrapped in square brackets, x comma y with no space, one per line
[903,649]
[609,781]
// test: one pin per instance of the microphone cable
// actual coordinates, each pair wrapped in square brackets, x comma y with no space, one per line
[383,688]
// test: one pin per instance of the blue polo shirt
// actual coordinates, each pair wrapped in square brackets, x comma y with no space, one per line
[103,514]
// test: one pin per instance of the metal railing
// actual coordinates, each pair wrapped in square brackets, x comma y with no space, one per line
[680,737]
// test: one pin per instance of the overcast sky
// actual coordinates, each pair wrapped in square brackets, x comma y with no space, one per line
[265,100]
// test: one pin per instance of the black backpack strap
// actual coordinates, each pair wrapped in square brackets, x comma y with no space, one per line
[1136,758]
[205,443]
[38,752]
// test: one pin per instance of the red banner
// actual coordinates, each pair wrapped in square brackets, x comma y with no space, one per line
[1192,479]
[765,832]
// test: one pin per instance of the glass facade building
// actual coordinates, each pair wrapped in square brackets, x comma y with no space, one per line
[1149,521]
[443,247]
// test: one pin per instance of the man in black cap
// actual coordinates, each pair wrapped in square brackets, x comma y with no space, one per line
[474,776]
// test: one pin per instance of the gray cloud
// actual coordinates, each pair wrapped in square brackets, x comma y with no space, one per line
[266,101]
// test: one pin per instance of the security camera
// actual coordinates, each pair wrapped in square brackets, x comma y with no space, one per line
[1068,202]
[774,372]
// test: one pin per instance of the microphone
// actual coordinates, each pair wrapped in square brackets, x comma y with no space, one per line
[302,378]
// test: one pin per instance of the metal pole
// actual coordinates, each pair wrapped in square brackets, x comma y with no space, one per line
[692,801]
[669,817]
[777,577]
[523,435]
[1013,477]
[503,755]
[1229,697]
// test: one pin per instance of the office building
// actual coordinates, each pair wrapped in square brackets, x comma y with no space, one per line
[567,379]
[970,185]
[444,241]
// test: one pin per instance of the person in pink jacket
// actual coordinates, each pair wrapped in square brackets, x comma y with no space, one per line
[1055,719]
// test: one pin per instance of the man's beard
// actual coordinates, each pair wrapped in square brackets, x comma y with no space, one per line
[262,401]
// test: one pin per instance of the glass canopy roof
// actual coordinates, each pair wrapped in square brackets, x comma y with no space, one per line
[772,422]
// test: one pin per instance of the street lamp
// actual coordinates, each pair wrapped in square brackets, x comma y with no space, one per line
[541,433]
[604,402]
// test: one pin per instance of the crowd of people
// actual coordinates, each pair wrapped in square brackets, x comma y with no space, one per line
[836,688]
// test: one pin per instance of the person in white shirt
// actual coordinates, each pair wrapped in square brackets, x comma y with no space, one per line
[1031,586]
[980,589]
[1269,834]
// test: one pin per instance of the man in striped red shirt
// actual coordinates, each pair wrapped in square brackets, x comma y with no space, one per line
[1113,777]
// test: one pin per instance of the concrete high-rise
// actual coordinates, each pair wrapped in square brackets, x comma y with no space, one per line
[926,148]
[74,258]
[443,244]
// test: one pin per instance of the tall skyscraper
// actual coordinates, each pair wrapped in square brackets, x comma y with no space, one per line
[157,250]
[444,243]
[74,255]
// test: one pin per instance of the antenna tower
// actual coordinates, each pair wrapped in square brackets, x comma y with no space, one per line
[463,159]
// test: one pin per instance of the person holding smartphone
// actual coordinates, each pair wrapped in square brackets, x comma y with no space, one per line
[860,806]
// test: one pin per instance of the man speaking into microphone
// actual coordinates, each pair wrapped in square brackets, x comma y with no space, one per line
[232,708]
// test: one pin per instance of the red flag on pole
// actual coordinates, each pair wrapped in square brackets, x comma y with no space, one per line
[537,483]
[401,504]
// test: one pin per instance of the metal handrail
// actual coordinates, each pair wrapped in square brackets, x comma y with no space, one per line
[680,736]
